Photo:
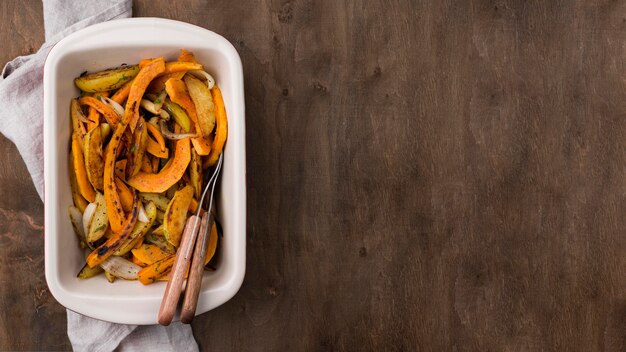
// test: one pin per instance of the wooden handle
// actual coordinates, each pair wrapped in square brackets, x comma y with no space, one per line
[194,281]
[175,284]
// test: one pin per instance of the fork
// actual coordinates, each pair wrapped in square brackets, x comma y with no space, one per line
[194,244]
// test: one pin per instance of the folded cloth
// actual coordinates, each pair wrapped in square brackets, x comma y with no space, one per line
[21,92]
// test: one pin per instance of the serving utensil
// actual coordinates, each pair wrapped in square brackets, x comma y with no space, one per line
[189,239]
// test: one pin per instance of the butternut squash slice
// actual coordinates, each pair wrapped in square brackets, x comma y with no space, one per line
[79,200]
[126,195]
[109,114]
[137,148]
[221,129]
[202,145]
[158,84]
[138,88]
[146,165]
[154,148]
[212,245]
[122,93]
[153,272]
[117,239]
[149,253]
[174,66]
[114,205]
[120,166]
[84,186]
[77,116]
[160,182]
[157,135]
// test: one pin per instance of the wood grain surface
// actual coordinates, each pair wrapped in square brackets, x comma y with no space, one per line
[422,176]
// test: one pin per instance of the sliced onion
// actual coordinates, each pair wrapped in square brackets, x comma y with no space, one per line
[164,115]
[143,217]
[87,216]
[154,121]
[210,81]
[77,221]
[158,102]
[148,105]
[119,110]
[174,136]
[121,267]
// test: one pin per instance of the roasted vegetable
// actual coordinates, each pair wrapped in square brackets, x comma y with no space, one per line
[140,229]
[99,221]
[160,201]
[149,253]
[212,245]
[195,173]
[153,272]
[120,267]
[176,215]
[221,129]
[179,115]
[76,217]
[138,88]
[178,93]
[109,114]
[203,101]
[157,183]
[122,93]
[137,148]
[128,163]
[116,240]
[79,201]
[156,238]
[77,117]
[82,180]
[92,147]
[125,194]
[87,272]
[106,80]
[154,148]
[114,204]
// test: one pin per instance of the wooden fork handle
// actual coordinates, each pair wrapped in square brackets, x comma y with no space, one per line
[175,284]
[194,281]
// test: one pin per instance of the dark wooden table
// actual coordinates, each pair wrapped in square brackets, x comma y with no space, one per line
[423,175]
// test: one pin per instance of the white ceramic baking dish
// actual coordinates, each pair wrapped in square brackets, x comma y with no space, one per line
[109,45]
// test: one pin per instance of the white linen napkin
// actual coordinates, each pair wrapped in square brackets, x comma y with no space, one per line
[21,104]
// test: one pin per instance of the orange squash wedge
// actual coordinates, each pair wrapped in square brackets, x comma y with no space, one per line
[154,148]
[138,88]
[111,195]
[160,182]
[153,272]
[126,195]
[122,93]
[108,113]
[149,253]
[85,187]
[221,126]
